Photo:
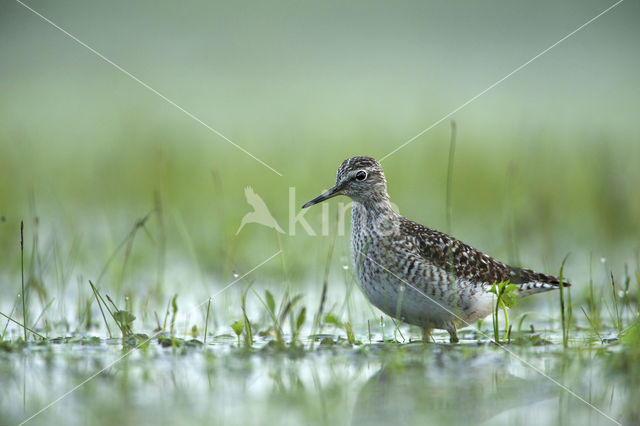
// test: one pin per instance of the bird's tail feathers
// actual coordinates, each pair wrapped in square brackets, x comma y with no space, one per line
[534,287]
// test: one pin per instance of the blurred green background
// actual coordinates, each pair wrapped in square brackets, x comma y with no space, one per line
[547,163]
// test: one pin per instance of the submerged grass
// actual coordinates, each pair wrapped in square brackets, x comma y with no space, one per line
[24,327]
[271,328]
[563,316]
[99,302]
[23,294]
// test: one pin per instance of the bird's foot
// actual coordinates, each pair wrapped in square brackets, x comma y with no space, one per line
[453,335]
[426,335]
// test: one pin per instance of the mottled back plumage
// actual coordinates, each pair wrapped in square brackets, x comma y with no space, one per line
[468,263]
[414,273]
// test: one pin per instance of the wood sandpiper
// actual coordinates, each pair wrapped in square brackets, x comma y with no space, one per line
[417,274]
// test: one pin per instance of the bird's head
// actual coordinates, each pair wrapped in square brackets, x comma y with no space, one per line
[359,178]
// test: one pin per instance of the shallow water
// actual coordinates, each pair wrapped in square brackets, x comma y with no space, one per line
[97,381]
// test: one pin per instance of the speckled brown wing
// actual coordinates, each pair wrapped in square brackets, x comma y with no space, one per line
[468,263]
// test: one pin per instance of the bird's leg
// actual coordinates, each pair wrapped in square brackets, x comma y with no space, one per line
[453,334]
[426,334]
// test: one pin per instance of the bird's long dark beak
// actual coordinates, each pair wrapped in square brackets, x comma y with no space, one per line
[329,193]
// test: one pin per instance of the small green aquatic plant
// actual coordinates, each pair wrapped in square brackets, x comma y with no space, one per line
[174,312]
[506,297]
[269,303]
[565,315]
[248,335]
[206,321]
[348,328]
[238,327]
[279,315]
[123,318]
[297,324]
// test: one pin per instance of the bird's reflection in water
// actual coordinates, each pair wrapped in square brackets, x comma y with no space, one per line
[415,393]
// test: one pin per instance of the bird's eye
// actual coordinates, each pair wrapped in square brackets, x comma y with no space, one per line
[361,175]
